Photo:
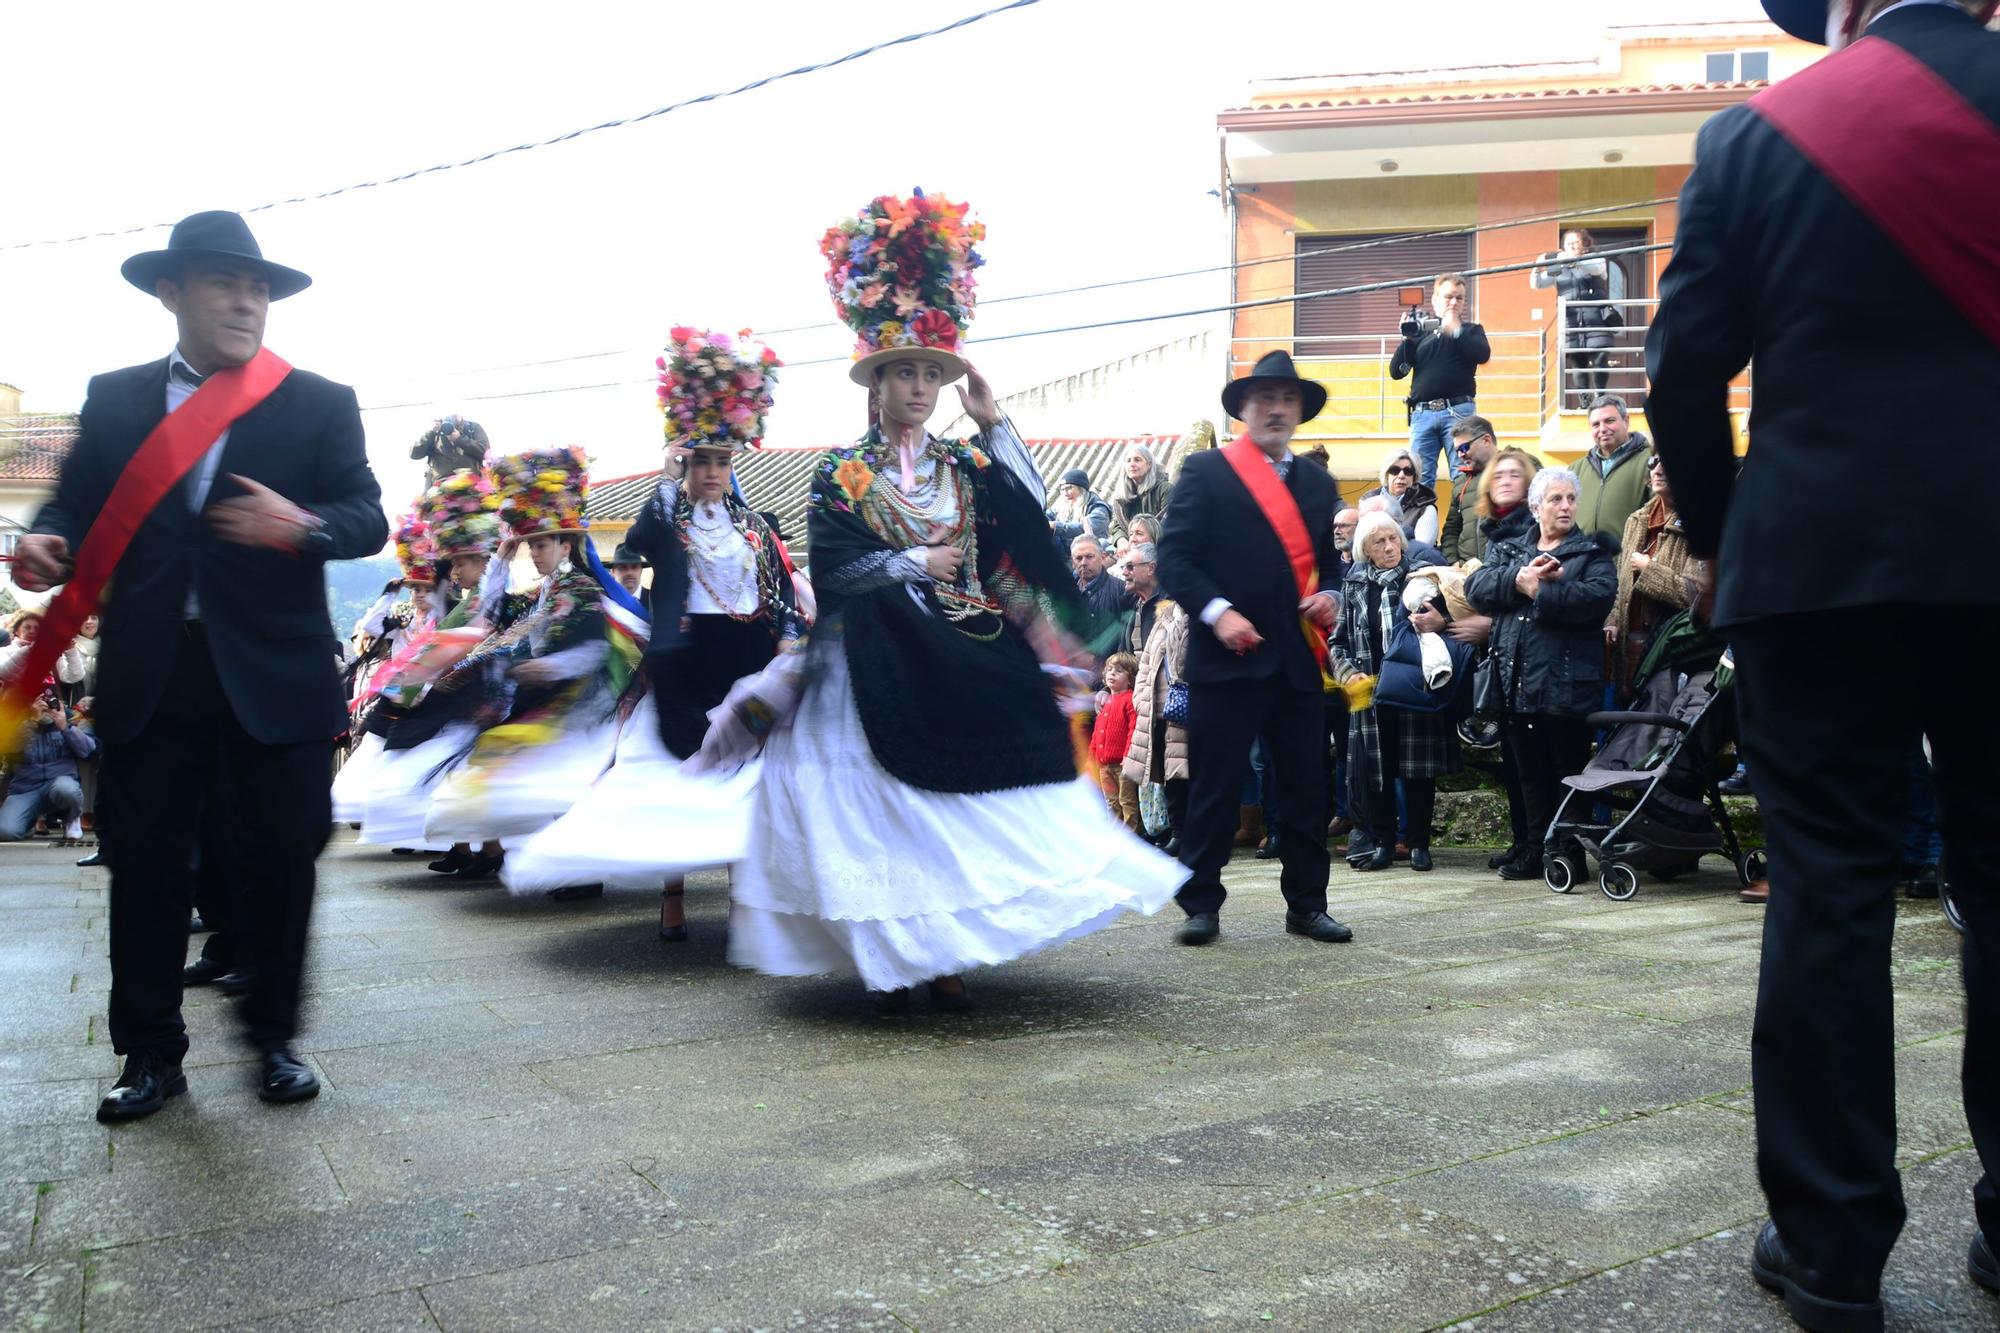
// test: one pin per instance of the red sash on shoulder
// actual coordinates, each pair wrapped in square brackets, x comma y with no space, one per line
[166,456]
[1274,500]
[1913,155]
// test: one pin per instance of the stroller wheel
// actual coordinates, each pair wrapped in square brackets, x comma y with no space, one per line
[1951,910]
[1755,866]
[1618,881]
[1559,875]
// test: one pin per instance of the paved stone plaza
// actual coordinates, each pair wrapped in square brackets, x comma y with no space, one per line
[1499,1108]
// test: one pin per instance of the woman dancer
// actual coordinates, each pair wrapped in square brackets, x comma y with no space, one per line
[922,812]
[388,628]
[723,605]
[549,693]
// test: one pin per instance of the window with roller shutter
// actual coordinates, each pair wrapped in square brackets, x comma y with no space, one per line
[1322,325]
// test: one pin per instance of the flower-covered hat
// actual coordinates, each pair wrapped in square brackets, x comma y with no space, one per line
[542,491]
[416,550]
[715,390]
[901,276]
[461,511]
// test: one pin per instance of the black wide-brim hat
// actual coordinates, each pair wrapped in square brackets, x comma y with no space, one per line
[213,235]
[1274,368]
[625,555]
[1803,19]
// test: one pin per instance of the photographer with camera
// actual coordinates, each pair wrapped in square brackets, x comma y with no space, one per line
[46,780]
[1586,328]
[1445,353]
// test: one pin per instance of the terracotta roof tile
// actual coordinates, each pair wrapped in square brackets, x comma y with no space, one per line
[32,448]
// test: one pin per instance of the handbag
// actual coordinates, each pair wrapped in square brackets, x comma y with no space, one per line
[1153,808]
[1174,708]
[1487,703]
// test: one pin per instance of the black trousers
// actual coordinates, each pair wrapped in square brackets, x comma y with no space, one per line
[1546,750]
[222,877]
[154,789]
[1833,789]
[1176,790]
[1223,719]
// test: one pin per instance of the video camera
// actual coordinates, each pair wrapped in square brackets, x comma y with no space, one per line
[1417,318]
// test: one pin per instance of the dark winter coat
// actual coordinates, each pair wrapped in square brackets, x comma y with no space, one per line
[1550,647]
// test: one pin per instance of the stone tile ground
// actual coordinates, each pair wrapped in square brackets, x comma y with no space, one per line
[1498,1109]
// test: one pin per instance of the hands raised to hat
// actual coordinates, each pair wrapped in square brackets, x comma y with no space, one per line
[979,403]
[260,517]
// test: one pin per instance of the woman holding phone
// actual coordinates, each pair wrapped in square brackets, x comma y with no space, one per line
[1548,591]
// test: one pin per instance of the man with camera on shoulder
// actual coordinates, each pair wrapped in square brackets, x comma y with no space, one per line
[1445,353]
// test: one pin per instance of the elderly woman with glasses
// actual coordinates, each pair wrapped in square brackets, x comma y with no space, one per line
[1412,504]
[1548,590]
[1654,579]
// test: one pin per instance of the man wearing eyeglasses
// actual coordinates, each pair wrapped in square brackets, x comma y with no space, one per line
[1142,585]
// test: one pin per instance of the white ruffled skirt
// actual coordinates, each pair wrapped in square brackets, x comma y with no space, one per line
[852,872]
[399,785]
[356,777]
[505,792]
[641,824]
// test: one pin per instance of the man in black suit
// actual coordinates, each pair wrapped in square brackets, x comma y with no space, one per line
[1251,668]
[1854,328]
[217,663]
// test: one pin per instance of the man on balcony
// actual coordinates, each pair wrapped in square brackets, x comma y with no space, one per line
[1445,354]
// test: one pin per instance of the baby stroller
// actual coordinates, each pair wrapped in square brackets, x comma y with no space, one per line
[1657,773]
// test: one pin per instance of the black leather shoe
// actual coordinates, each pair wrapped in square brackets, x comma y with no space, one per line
[1420,858]
[1498,859]
[237,981]
[284,1079]
[96,858]
[1522,869]
[890,1002]
[1980,1265]
[451,862]
[1379,859]
[142,1089]
[1200,928]
[572,893]
[481,867]
[950,1000]
[203,971]
[1269,850]
[1318,926]
[1921,881]
[1858,1311]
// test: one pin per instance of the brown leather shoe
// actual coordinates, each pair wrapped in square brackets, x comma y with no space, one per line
[1340,827]
[1758,892]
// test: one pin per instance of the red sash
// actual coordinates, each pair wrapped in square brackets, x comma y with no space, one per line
[1274,500]
[166,456]
[1913,155]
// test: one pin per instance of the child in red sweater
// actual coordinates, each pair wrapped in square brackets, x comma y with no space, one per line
[1112,736]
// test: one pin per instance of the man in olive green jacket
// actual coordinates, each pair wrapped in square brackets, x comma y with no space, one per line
[1474,441]
[1612,475]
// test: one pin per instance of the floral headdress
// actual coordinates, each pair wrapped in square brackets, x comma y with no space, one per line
[462,511]
[416,550]
[542,491]
[900,272]
[714,389]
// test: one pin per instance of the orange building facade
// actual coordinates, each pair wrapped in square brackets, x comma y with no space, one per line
[1383,180]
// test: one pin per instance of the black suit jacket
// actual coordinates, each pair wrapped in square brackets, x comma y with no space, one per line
[1866,377]
[1220,545]
[264,611]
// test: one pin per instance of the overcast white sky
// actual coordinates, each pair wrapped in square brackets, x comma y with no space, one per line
[1082,131]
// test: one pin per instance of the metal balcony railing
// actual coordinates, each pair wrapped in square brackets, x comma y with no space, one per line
[1594,358]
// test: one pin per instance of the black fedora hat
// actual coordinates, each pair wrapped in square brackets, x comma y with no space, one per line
[625,555]
[1803,19]
[214,235]
[1274,368]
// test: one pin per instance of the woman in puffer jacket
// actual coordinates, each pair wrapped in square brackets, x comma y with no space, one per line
[1548,591]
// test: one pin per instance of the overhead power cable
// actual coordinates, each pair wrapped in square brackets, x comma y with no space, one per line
[1497,224]
[619,123]
[1355,289]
